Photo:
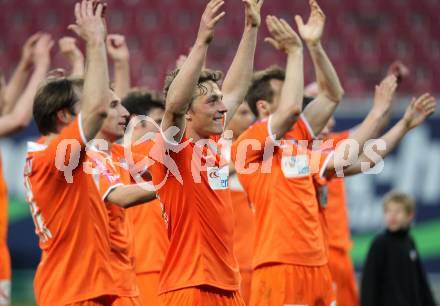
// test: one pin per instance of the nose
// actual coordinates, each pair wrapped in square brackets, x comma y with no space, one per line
[222,108]
[124,112]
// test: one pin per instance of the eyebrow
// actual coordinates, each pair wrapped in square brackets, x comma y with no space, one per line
[218,97]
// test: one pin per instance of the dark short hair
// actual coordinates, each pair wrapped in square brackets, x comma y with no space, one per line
[55,94]
[307,100]
[261,89]
[205,76]
[401,198]
[141,102]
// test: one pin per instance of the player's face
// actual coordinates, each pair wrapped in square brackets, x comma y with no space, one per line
[242,119]
[156,114]
[396,217]
[147,126]
[206,114]
[114,125]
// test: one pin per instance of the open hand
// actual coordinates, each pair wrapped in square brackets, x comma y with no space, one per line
[399,69]
[312,31]
[69,49]
[419,109]
[283,37]
[90,24]
[384,94]
[210,19]
[253,12]
[41,51]
[117,47]
[28,49]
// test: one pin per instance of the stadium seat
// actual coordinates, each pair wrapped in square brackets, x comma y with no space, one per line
[362,34]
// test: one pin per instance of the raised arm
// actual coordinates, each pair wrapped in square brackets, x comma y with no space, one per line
[127,196]
[118,51]
[95,99]
[180,93]
[17,83]
[239,76]
[73,55]
[289,109]
[21,115]
[416,113]
[330,90]
[400,71]
[345,154]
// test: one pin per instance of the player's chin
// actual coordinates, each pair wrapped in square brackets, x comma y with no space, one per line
[216,128]
[121,132]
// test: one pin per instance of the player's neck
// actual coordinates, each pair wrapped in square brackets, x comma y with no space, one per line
[50,137]
[262,117]
[109,141]
[193,135]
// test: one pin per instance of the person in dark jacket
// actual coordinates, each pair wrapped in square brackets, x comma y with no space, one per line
[393,274]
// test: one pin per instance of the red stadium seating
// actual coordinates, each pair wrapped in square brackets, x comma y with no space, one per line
[362,37]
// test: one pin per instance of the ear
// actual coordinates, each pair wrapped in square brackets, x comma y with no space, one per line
[411,217]
[263,108]
[64,117]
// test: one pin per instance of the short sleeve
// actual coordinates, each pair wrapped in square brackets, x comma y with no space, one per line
[67,150]
[109,177]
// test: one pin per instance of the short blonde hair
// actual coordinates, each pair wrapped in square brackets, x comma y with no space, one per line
[404,199]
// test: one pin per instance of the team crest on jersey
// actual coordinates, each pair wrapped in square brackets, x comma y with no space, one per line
[295,166]
[218,177]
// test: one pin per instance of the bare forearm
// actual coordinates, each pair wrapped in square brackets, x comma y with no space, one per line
[291,101]
[96,78]
[132,195]
[391,139]
[181,90]
[122,78]
[326,76]
[26,100]
[77,68]
[239,76]
[20,117]
[96,94]
[293,89]
[15,86]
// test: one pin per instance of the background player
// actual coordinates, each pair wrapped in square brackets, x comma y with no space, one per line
[70,220]
[244,230]
[275,259]
[16,100]
[151,242]
[336,209]
[117,191]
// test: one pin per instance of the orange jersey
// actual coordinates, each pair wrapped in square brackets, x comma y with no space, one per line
[151,242]
[71,222]
[112,171]
[337,209]
[244,229]
[4,274]
[288,226]
[5,260]
[192,182]
[3,205]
